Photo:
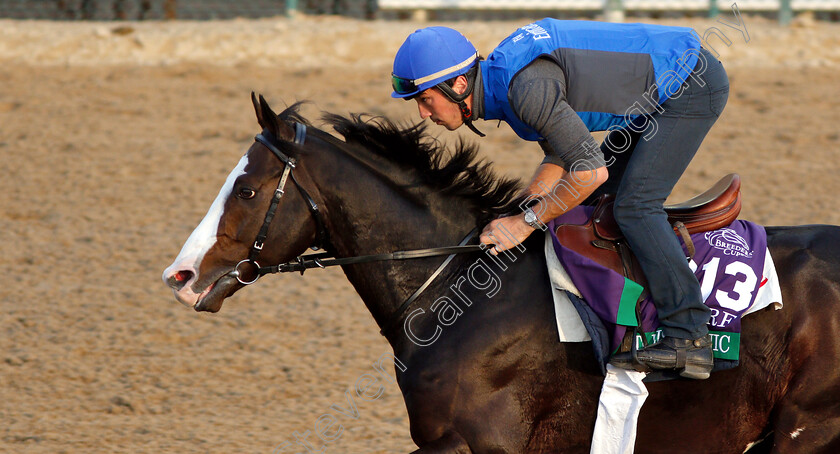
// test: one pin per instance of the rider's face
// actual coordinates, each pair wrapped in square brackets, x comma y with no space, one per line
[435,105]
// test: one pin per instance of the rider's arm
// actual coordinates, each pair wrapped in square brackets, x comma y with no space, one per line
[569,189]
[574,164]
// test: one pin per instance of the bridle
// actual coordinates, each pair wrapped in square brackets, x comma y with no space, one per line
[265,138]
[325,259]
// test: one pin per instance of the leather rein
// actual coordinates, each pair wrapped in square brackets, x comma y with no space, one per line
[325,259]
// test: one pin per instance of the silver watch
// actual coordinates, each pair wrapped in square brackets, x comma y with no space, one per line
[532,219]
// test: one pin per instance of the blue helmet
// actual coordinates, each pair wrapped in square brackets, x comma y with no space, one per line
[428,57]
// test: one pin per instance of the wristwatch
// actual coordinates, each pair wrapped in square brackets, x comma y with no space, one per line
[532,219]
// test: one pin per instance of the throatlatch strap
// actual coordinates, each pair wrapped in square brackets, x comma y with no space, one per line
[322,238]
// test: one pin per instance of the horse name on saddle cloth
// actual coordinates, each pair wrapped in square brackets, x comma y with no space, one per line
[728,263]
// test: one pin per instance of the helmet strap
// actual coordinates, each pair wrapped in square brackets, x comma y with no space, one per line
[466,111]
[466,115]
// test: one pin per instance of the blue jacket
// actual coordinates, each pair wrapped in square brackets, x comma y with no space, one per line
[614,72]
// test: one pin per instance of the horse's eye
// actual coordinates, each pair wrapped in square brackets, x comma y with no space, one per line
[246,193]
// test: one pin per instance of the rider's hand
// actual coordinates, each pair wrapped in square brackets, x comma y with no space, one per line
[504,231]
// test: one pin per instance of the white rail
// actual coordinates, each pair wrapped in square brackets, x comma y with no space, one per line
[627,5]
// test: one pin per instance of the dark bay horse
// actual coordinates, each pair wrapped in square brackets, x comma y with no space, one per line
[481,370]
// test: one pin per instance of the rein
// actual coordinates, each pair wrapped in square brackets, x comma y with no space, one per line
[325,259]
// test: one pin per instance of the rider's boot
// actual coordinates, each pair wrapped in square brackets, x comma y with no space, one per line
[691,358]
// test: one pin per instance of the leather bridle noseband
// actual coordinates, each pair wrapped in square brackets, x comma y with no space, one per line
[325,259]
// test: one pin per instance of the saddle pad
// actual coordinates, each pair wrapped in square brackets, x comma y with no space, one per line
[722,254]
[570,327]
[624,392]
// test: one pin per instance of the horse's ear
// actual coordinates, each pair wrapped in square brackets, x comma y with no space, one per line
[271,122]
[265,116]
[257,109]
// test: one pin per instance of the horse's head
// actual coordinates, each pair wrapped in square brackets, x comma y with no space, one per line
[261,215]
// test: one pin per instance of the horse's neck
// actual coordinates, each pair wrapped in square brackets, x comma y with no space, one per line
[378,215]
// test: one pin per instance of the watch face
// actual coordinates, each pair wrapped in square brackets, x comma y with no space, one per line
[530,217]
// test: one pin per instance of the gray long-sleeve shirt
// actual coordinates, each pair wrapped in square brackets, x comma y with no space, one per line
[537,95]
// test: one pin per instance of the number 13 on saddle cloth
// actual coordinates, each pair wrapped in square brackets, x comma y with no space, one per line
[732,264]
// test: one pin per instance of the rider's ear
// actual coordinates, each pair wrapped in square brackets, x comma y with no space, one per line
[460,85]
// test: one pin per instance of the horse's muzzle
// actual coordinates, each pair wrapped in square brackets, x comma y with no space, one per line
[212,301]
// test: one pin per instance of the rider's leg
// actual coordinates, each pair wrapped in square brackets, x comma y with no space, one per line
[657,161]
[617,148]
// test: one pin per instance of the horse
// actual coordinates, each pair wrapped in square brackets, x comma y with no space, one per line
[477,357]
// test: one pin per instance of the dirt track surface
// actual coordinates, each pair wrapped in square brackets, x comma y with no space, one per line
[114,143]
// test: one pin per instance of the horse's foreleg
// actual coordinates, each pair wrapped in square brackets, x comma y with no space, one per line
[451,443]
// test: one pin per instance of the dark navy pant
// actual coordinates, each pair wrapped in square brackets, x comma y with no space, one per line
[643,168]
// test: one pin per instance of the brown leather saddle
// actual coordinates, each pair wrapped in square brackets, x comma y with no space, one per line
[601,240]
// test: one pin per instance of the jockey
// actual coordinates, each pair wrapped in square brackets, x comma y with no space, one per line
[652,88]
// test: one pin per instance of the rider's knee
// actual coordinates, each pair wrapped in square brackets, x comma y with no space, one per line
[627,211]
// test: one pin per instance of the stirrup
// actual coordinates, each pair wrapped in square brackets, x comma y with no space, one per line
[696,372]
[638,365]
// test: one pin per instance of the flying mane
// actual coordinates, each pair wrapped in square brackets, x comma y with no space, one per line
[456,173]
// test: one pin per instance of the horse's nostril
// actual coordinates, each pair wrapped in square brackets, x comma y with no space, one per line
[179,279]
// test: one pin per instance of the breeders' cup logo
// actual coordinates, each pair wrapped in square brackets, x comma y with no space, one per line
[728,241]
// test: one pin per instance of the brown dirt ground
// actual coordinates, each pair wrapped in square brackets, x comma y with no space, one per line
[113,145]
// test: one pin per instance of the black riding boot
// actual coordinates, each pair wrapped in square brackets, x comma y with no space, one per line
[692,358]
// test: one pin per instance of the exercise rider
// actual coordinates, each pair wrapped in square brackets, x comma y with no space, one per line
[652,87]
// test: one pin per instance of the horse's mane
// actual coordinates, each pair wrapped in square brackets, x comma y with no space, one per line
[455,172]
[292,114]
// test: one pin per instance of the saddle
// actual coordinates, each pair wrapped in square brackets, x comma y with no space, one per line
[601,240]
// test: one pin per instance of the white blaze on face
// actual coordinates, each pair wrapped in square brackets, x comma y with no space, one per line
[204,236]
